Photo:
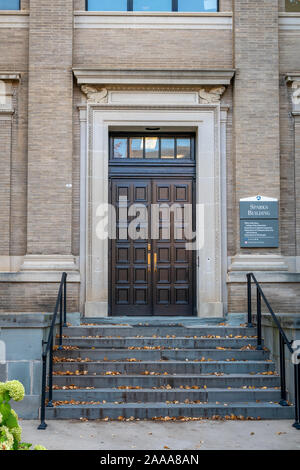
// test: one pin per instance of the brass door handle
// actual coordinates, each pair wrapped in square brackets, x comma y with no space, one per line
[155,262]
[149,258]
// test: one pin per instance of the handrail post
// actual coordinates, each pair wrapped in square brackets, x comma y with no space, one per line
[65,301]
[249,301]
[283,401]
[50,404]
[259,340]
[43,425]
[297,396]
[61,304]
[60,319]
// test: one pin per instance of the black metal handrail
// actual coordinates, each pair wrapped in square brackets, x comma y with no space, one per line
[61,306]
[283,341]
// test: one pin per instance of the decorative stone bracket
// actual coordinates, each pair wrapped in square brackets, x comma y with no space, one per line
[95,94]
[293,80]
[211,95]
[6,90]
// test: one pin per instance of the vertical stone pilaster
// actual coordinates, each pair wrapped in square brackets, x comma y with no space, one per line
[50,128]
[297,179]
[5,178]
[256,101]
[6,113]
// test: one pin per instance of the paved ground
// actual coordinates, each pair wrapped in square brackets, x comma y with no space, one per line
[143,435]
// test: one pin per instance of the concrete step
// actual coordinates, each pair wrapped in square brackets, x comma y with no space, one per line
[160,409]
[175,381]
[168,343]
[170,367]
[147,395]
[164,368]
[161,331]
[233,320]
[167,354]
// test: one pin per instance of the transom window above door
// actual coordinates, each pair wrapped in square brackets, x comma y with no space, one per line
[150,147]
[153,5]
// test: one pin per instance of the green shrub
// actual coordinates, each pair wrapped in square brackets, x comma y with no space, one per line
[10,430]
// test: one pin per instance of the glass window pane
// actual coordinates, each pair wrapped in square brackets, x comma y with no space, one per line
[197,5]
[120,148]
[107,5]
[292,5]
[136,147]
[151,147]
[183,148]
[9,5]
[152,5]
[167,148]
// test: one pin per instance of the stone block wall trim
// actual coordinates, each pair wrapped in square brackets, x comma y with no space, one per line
[15,20]
[269,277]
[289,22]
[49,262]
[10,76]
[96,20]
[38,277]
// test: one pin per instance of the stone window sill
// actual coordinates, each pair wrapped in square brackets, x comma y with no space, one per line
[153,20]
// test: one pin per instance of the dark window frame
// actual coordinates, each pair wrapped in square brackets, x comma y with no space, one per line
[19,7]
[130,6]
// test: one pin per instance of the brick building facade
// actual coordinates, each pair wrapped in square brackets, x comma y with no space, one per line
[69,76]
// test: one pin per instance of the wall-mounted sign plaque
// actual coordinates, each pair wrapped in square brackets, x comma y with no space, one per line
[259,222]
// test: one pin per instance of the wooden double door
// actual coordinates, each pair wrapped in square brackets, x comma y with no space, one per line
[151,273]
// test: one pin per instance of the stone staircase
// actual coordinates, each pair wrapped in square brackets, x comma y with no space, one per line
[157,369]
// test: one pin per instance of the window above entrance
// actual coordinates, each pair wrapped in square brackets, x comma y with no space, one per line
[292,5]
[153,5]
[151,147]
[9,4]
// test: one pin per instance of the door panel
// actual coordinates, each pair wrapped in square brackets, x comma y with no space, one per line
[130,277]
[173,266]
[152,276]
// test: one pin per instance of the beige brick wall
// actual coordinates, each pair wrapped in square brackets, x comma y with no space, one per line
[35,297]
[225,5]
[256,101]
[50,127]
[289,46]
[284,298]
[136,48]
[281,5]
[25,4]
[14,57]
[14,49]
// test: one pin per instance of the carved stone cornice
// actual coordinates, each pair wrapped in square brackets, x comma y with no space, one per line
[174,77]
[95,94]
[211,95]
